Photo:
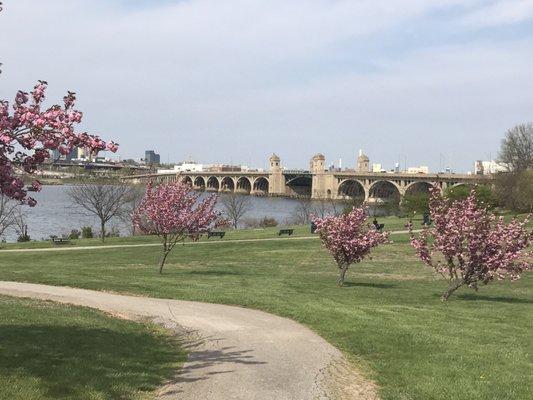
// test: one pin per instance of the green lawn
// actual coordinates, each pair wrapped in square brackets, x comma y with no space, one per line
[391,223]
[388,319]
[51,351]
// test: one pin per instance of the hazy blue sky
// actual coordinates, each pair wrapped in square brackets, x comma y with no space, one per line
[235,80]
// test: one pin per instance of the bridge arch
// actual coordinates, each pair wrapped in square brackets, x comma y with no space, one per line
[385,192]
[213,184]
[417,188]
[261,186]
[300,186]
[187,179]
[227,184]
[244,185]
[199,183]
[352,189]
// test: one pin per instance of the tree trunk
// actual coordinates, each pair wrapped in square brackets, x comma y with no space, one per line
[162,261]
[342,275]
[102,232]
[166,250]
[453,287]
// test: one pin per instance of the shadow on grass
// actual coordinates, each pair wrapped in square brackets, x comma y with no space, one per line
[370,285]
[498,299]
[72,363]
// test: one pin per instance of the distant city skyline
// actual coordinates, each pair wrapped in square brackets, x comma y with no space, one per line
[434,82]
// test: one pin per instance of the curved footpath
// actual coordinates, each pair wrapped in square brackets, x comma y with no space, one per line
[234,352]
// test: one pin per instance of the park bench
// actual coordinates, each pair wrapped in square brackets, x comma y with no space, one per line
[219,234]
[285,232]
[59,240]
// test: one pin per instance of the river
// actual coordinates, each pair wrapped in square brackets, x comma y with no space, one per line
[55,214]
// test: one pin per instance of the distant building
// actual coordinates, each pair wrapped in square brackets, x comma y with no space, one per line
[376,168]
[397,167]
[222,168]
[489,167]
[189,166]
[151,158]
[423,169]
[363,162]
[77,153]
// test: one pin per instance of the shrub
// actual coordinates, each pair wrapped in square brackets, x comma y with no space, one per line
[23,238]
[114,232]
[268,222]
[74,234]
[87,232]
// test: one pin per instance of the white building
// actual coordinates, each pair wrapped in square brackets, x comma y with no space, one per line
[183,167]
[423,169]
[376,168]
[489,167]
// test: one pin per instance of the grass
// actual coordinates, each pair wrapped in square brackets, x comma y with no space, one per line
[51,351]
[389,319]
[391,223]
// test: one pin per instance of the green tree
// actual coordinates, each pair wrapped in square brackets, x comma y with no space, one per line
[515,190]
[417,203]
[485,195]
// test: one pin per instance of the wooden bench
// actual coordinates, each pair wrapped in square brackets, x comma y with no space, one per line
[58,240]
[219,234]
[285,232]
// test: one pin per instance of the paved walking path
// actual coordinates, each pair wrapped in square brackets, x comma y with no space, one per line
[234,353]
[65,247]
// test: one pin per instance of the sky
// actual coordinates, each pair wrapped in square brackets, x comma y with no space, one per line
[422,82]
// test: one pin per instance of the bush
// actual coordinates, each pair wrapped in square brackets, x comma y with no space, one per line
[74,234]
[87,232]
[24,237]
[114,232]
[268,222]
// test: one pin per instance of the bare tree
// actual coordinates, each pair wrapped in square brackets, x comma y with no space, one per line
[8,213]
[323,207]
[235,207]
[21,226]
[517,148]
[301,215]
[131,203]
[103,201]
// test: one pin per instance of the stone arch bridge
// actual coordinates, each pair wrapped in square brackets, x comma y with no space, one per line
[361,186]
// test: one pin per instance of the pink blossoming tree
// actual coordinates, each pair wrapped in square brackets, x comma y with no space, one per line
[29,131]
[174,212]
[468,245]
[349,238]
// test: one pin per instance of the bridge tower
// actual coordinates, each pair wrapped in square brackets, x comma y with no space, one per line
[276,186]
[318,170]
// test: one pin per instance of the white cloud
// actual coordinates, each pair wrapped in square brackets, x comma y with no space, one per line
[502,12]
[233,80]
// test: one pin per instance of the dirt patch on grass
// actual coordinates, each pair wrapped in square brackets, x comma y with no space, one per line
[341,380]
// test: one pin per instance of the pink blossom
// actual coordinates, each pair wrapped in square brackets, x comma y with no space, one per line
[348,238]
[36,130]
[469,245]
[174,212]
